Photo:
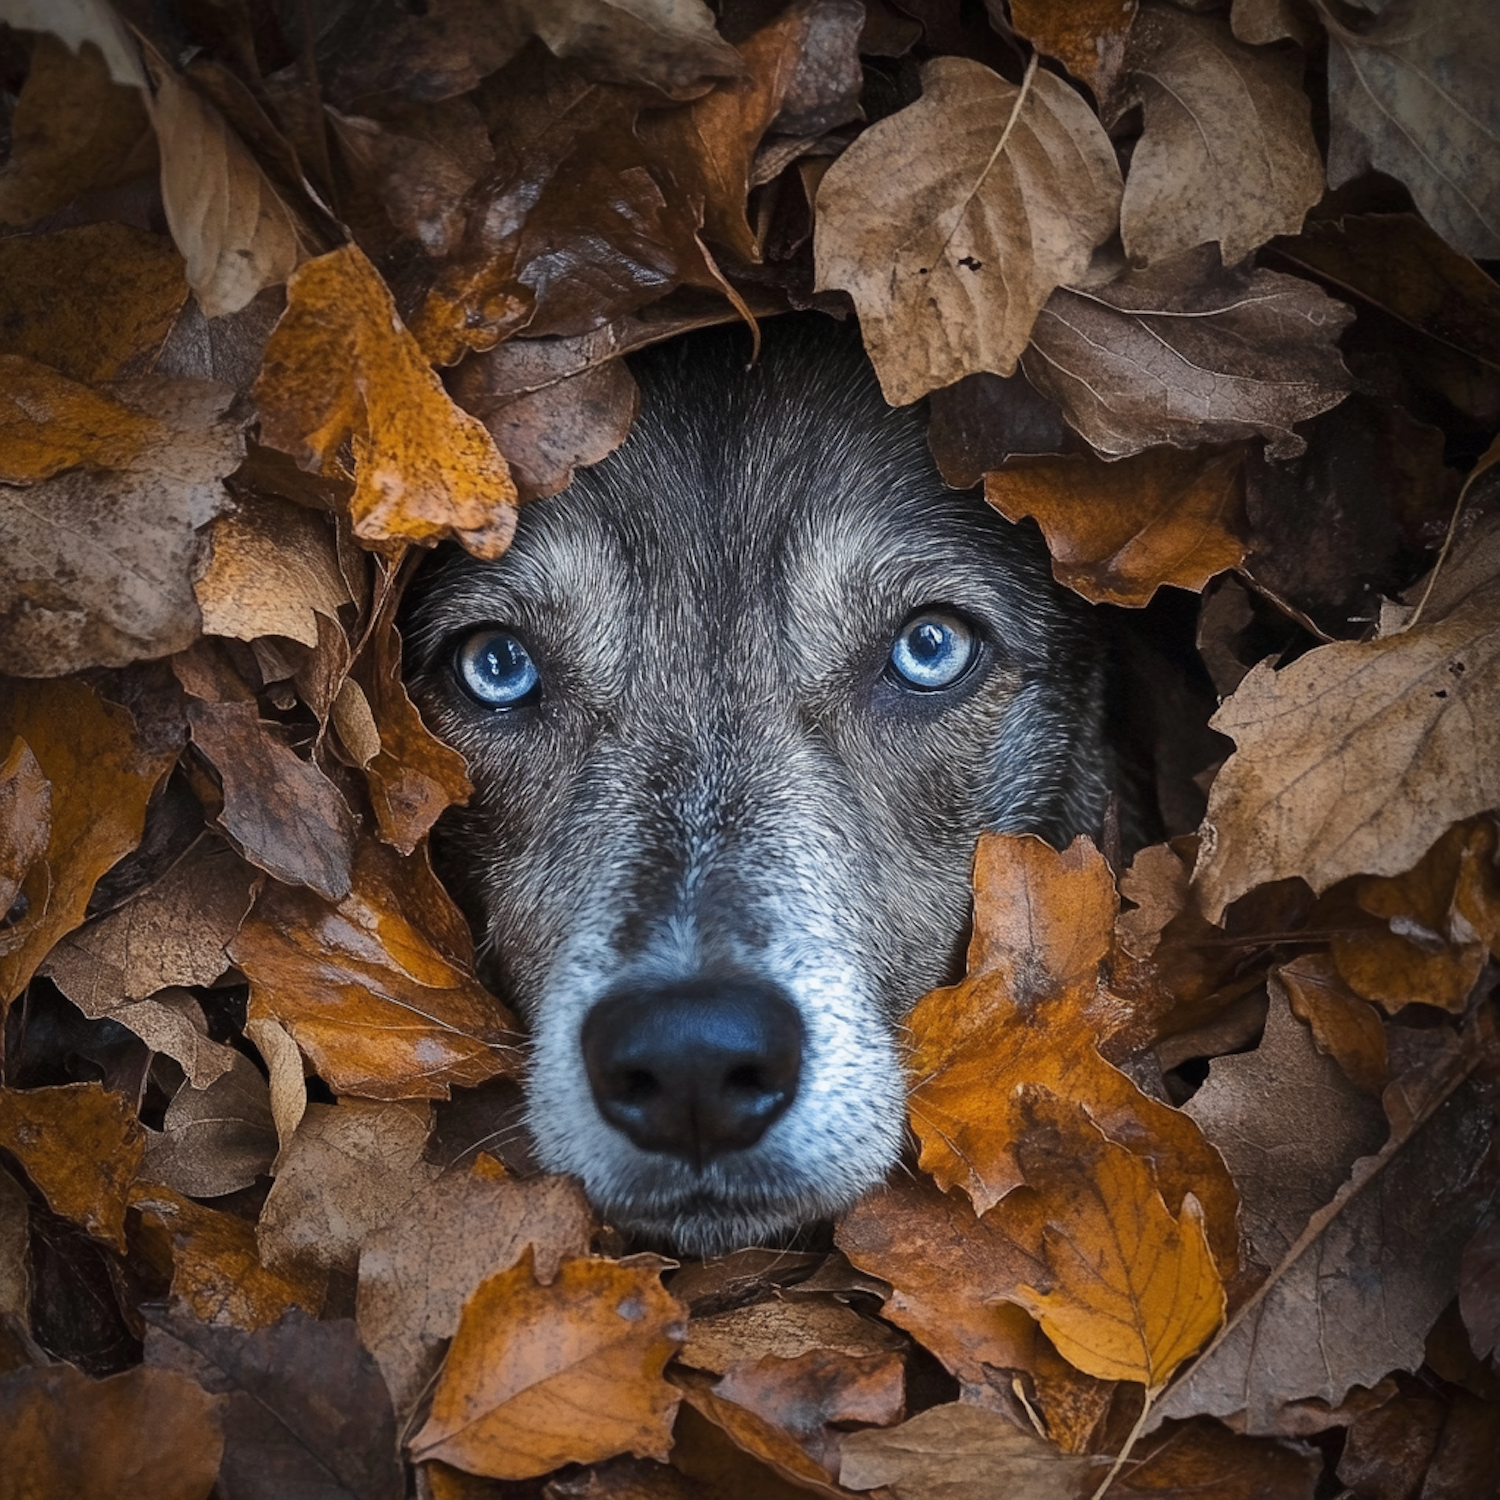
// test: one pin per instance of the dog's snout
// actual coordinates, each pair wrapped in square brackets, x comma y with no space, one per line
[696,1068]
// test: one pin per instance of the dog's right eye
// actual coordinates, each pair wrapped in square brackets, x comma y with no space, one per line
[495,669]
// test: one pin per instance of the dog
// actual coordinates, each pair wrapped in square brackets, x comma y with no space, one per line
[736,706]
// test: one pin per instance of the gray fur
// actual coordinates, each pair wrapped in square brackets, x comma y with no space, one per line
[723,778]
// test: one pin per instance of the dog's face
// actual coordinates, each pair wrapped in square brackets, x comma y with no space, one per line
[736,707]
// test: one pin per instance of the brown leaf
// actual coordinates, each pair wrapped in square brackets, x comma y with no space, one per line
[567,1373]
[75,129]
[1201,1458]
[951,222]
[378,990]
[1409,94]
[15,1257]
[217,1274]
[272,570]
[282,812]
[1357,756]
[416,1273]
[306,1412]
[424,470]
[784,1331]
[983,420]
[81,1145]
[288,1081]
[1227,153]
[94,302]
[960,1453]
[1439,1444]
[101,778]
[141,1432]
[233,229]
[25,819]
[1119,531]
[1479,1290]
[215,1140]
[1031,1011]
[761,1439]
[1087,37]
[1188,352]
[346,1173]
[99,561]
[1344,1027]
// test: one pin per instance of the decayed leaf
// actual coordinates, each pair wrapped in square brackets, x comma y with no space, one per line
[217,1273]
[416,1273]
[1357,1291]
[282,812]
[101,779]
[288,1080]
[15,1245]
[1133,1287]
[1479,1290]
[215,1140]
[1087,36]
[98,561]
[984,420]
[81,1145]
[306,1414]
[1441,923]
[234,231]
[1188,352]
[567,1373]
[1344,1026]
[1357,756]
[1227,153]
[1030,1012]
[141,1432]
[1203,1458]
[1117,532]
[93,302]
[960,1453]
[951,222]
[25,818]
[378,989]
[74,129]
[1411,93]
[273,569]
[341,364]
[346,1173]
[785,1331]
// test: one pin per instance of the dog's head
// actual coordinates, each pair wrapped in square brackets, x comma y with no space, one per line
[736,707]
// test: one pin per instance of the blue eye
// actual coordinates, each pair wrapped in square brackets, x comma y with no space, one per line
[497,670]
[933,650]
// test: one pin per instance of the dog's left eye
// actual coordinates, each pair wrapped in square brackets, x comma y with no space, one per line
[497,670]
[933,650]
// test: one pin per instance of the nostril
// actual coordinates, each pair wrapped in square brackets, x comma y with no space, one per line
[746,1079]
[637,1086]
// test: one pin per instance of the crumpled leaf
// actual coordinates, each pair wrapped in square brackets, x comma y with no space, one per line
[215,1140]
[1411,93]
[1117,532]
[25,818]
[288,1080]
[567,1373]
[74,22]
[341,365]
[347,1172]
[1216,113]
[951,222]
[94,302]
[99,561]
[1133,1289]
[782,1330]
[306,1414]
[416,1273]
[378,989]
[1344,1025]
[1188,352]
[141,1432]
[1031,1012]
[1087,36]
[1353,759]
[217,1273]
[101,778]
[81,1146]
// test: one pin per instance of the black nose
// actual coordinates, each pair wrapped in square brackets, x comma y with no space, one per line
[695,1068]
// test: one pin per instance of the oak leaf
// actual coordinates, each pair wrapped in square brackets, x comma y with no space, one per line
[1353,759]
[340,365]
[1216,112]
[1117,532]
[1189,352]
[378,988]
[951,222]
[539,1376]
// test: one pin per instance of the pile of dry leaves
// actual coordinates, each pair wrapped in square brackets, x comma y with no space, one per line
[290,289]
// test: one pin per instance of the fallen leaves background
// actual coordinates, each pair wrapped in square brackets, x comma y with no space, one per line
[1204,1200]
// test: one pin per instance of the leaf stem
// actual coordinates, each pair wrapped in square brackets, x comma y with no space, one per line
[1129,1444]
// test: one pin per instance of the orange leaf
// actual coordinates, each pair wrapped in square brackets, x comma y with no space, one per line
[567,1373]
[341,365]
[1134,1287]
[49,423]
